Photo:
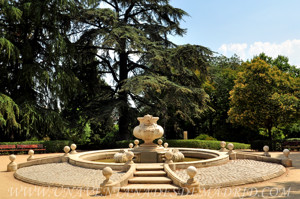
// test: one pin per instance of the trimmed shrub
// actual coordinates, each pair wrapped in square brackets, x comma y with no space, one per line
[53,146]
[204,137]
[292,139]
[204,144]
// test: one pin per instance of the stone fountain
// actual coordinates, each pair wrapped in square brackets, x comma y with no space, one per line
[148,130]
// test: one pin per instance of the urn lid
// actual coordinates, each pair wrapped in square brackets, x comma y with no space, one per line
[148,120]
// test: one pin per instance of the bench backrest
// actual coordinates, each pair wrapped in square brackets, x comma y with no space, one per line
[27,146]
[7,146]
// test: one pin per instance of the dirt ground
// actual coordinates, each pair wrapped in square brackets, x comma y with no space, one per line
[285,186]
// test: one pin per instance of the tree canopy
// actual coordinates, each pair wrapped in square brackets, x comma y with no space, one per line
[84,70]
[264,97]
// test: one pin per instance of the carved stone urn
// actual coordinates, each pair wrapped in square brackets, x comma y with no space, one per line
[148,130]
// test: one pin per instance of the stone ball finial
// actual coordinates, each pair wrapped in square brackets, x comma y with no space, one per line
[286,161]
[223,145]
[129,156]
[107,172]
[12,157]
[191,171]
[130,145]
[266,148]
[73,147]
[166,145]
[159,142]
[286,153]
[66,150]
[30,153]
[230,146]
[136,142]
[169,157]
[12,166]
[266,151]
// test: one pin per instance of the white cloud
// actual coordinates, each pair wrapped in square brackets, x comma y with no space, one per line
[288,48]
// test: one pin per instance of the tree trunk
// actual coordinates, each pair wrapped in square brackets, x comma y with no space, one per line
[124,133]
[270,133]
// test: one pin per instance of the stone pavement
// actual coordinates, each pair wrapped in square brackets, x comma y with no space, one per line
[286,186]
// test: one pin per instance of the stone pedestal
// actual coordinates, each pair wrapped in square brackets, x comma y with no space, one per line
[149,154]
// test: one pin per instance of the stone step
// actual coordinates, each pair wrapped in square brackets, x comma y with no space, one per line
[150,180]
[149,167]
[150,187]
[150,173]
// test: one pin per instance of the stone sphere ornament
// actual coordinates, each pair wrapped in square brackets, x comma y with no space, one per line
[130,145]
[230,146]
[223,146]
[12,166]
[286,153]
[266,151]
[159,142]
[136,142]
[107,172]
[169,157]
[148,130]
[166,145]
[12,157]
[286,161]
[73,147]
[266,148]
[129,156]
[66,150]
[30,153]
[191,171]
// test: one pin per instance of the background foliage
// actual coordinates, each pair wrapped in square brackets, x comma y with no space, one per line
[84,70]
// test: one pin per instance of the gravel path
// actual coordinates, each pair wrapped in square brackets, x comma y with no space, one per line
[235,172]
[66,174]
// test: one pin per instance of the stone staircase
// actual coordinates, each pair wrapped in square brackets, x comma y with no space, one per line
[151,177]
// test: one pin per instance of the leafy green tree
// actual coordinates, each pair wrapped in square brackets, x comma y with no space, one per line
[264,97]
[282,63]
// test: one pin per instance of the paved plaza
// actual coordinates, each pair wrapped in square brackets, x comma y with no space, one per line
[285,186]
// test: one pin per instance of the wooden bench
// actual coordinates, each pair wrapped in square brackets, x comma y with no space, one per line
[292,145]
[22,147]
[4,148]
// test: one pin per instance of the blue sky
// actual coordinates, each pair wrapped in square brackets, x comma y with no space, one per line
[243,27]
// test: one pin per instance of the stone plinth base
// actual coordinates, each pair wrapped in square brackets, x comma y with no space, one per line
[191,188]
[287,162]
[148,153]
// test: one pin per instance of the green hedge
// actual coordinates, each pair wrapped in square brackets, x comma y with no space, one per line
[204,144]
[52,146]
[292,139]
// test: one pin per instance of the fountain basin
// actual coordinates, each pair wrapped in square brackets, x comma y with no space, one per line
[208,158]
